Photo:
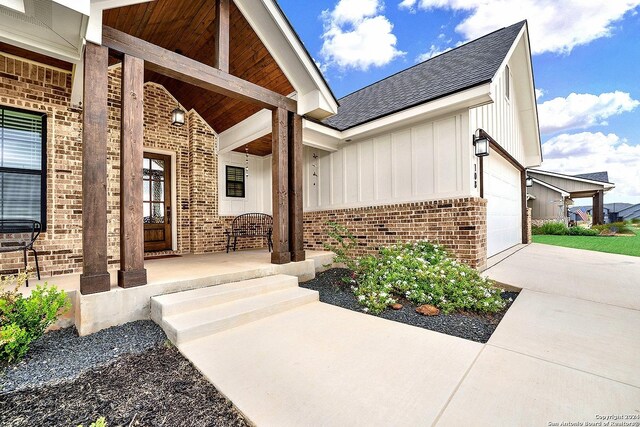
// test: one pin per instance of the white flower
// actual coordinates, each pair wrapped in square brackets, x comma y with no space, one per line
[361,298]
[463,274]
[366,310]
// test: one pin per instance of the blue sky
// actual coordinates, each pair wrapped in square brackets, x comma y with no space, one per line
[586,64]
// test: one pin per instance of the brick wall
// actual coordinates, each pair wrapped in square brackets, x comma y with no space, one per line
[528,226]
[32,86]
[458,224]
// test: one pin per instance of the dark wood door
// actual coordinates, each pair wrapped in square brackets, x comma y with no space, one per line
[156,201]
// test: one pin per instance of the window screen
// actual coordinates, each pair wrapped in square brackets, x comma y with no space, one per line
[235,181]
[22,165]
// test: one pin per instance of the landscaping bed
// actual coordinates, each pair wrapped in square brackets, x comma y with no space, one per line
[472,326]
[128,374]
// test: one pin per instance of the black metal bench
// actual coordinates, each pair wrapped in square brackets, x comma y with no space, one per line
[20,235]
[250,225]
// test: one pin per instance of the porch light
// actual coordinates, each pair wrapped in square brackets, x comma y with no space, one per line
[481,144]
[177,117]
[529,181]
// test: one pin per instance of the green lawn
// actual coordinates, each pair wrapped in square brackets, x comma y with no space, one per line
[624,245]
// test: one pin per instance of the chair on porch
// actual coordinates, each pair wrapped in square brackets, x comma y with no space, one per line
[250,225]
[20,235]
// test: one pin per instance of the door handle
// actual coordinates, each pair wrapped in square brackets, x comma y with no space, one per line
[168,214]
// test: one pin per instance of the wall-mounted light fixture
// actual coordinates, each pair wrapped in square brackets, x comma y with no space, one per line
[529,181]
[177,116]
[481,143]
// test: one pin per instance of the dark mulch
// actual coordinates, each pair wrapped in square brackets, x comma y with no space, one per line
[471,326]
[158,387]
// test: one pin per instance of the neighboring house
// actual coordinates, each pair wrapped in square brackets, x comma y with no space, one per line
[626,213]
[552,195]
[260,132]
[610,211]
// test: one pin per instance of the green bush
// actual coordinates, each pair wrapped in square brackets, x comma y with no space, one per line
[635,221]
[581,231]
[342,243]
[100,422]
[423,273]
[553,228]
[24,319]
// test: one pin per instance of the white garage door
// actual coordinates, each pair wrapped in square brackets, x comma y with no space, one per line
[502,189]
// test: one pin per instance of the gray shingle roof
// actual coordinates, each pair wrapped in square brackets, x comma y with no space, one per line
[595,176]
[462,68]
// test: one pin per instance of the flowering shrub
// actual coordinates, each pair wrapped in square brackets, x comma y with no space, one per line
[424,273]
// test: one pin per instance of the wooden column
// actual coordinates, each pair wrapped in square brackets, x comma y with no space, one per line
[296,233]
[280,177]
[132,271]
[598,208]
[95,277]
[221,60]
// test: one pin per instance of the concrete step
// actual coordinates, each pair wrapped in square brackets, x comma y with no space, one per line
[181,328]
[163,306]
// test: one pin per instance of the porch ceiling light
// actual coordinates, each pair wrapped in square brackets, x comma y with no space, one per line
[177,117]
[480,144]
[529,181]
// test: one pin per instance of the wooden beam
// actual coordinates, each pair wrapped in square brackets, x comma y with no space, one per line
[296,233]
[598,208]
[280,184]
[185,69]
[221,58]
[95,277]
[132,271]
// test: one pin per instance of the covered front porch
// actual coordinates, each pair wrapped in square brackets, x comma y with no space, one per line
[97,311]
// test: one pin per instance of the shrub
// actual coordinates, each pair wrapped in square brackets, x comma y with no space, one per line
[344,244]
[581,231]
[553,228]
[635,221]
[100,422]
[423,273]
[23,320]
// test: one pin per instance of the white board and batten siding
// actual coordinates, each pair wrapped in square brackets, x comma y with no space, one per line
[426,161]
[257,185]
[502,181]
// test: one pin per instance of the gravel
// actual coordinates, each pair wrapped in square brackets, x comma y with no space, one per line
[157,387]
[62,355]
[471,326]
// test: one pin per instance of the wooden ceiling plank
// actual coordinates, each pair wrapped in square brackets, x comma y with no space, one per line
[188,70]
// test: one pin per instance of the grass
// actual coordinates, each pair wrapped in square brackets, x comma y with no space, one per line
[623,245]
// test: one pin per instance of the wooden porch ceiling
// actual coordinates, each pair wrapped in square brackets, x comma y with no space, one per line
[188,28]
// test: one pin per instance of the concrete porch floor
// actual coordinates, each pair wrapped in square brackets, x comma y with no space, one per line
[91,313]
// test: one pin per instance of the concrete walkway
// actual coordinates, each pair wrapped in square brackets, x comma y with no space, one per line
[567,351]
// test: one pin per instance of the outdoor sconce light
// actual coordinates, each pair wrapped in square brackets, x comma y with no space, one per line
[177,117]
[481,144]
[529,181]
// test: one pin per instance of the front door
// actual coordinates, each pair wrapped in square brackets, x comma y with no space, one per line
[156,199]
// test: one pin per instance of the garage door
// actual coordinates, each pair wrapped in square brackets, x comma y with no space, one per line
[502,189]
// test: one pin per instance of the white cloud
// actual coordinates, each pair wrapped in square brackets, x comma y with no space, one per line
[539,93]
[357,35]
[581,110]
[433,51]
[555,26]
[594,152]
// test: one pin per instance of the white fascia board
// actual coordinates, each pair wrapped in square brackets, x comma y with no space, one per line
[38,45]
[77,84]
[319,136]
[551,187]
[250,129]
[606,185]
[80,6]
[466,99]
[275,32]
[17,5]
[94,28]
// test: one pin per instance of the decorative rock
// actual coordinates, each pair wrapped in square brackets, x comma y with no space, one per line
[428,310]
[396,306]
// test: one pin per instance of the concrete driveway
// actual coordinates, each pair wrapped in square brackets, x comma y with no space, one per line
[566,351]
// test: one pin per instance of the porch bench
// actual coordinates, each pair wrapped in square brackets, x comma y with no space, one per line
[19,235]
[250,225]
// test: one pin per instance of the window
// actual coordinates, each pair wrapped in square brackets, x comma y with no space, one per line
[23,175]
[235,181]
[507,82]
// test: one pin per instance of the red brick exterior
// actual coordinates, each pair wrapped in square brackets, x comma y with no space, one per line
[458,224]
[33,86]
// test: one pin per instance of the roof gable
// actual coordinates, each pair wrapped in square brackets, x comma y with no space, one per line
[595,176]
[461,68]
